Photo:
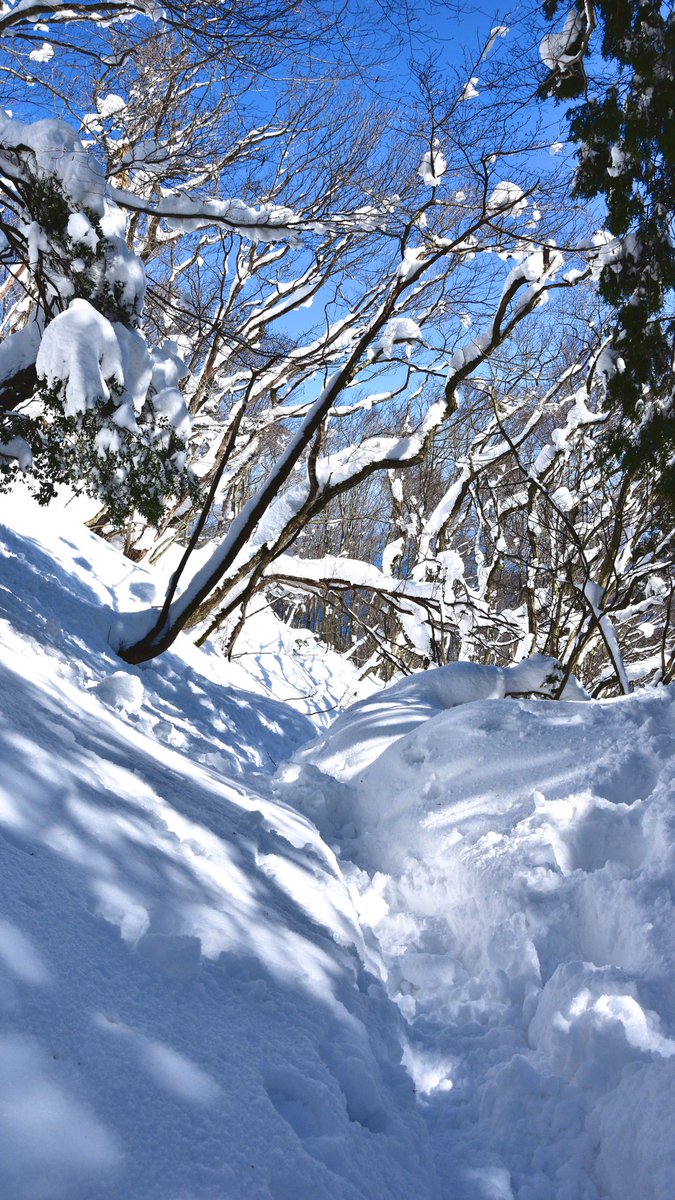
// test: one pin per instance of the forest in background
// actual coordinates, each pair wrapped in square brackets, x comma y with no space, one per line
[340,310]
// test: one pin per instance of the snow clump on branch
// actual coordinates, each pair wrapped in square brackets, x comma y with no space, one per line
[559,49]
[508,198]
[432,167]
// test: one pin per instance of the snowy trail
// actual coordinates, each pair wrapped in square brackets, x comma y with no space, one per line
[515,861]
[193,957]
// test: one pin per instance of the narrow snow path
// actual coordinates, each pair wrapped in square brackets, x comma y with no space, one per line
[515,862]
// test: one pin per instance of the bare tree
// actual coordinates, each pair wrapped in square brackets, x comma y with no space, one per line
[513,536]
[355,314]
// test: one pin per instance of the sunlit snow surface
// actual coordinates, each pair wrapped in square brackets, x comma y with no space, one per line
[515,860]
[187,1008]
[198,999]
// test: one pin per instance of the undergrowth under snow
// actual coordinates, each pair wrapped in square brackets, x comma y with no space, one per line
[428,953]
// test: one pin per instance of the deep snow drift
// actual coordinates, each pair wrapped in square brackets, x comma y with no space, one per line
[515,860]
[433,957]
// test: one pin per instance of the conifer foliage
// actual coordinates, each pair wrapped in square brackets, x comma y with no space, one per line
[84,400]
[624,127]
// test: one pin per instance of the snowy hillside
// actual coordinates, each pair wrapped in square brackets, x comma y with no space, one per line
[428,955]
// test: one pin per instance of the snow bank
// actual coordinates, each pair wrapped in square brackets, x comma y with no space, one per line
[188,1005]
[364,731]
[516,862]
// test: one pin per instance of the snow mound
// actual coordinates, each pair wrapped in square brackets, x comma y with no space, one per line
[365,730]
[516,862]
[122,691]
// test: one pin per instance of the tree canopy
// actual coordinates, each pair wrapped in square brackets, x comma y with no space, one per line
[309,331]
[617,59]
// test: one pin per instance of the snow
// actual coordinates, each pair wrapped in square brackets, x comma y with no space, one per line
[55,150]
[125,274]
[19,350]
[170,403]
[43,54]
[79,349]
[398,332]
[427,954]
[470,91]
[188,1004]
[595,596]
[509,197]
[514,859]
[121,691]
[413,257]
[558,49]
[379,720]
[184,213]
[391,554]
[86,353]
[618,162]
[563,499]
[433,167]
[17,448]
[110,105]
[497,31]
[81,230]
[293,666]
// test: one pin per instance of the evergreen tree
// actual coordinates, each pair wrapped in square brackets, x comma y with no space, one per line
[624,127]
[84,400]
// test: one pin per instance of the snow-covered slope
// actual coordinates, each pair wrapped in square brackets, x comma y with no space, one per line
[209,977]
[187,1007]
[516,861]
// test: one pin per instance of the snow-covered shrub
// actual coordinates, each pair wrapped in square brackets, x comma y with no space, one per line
[87,402]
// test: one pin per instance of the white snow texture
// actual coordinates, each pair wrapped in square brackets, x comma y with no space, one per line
[425,955]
